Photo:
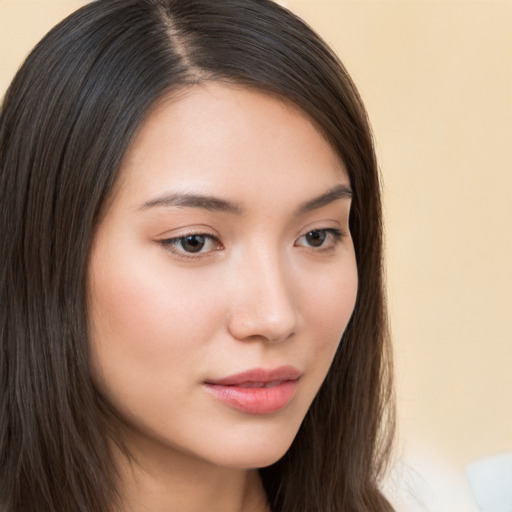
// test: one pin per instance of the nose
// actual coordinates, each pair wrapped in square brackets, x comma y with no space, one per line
[263,305]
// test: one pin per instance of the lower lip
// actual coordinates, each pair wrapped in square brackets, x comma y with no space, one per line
[255,400]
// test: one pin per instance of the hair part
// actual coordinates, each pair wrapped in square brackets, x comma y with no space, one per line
[66,122]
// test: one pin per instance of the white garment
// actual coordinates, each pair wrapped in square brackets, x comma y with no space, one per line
[491,481]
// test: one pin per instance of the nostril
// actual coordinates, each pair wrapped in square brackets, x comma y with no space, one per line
[258,326]
[264,307]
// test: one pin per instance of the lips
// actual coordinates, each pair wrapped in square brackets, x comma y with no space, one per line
[260,384]
[257,391]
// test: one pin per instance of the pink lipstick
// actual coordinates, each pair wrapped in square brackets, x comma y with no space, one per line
[257,391]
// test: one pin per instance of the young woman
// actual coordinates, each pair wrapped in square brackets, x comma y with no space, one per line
[192,308]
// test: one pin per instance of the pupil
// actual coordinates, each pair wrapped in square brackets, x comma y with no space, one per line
[193,243]
[316,238]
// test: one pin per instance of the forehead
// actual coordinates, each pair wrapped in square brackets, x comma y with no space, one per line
[229,140]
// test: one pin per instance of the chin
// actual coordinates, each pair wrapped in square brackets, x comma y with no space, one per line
[252,459]
[260,452]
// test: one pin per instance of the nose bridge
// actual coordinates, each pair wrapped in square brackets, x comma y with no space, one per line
[263,303]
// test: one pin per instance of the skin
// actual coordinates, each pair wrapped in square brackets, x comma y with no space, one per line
[258,294]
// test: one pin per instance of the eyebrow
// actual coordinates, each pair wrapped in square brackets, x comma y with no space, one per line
[334,194]
[187,200]
[212,203]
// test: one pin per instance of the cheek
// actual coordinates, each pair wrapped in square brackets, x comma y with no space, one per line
[145,320]
[328,302]
[335,323]
[331,301]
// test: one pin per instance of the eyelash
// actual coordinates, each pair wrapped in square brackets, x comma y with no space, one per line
[333,237]
[171,244]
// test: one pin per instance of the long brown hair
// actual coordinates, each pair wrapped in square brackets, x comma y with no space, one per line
[65,123]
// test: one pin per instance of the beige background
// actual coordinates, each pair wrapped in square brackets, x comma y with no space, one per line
[437,80]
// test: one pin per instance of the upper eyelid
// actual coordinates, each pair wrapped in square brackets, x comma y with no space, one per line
[330,229]
[191,233]
[188,232]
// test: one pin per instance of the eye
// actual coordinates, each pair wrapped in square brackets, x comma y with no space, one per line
[189,245]
[320,238]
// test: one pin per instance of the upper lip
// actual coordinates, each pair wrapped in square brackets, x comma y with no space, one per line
[258,375]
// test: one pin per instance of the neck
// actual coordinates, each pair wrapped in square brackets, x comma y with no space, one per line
[157,479]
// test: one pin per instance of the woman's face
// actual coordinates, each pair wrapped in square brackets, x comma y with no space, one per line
[222,276]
